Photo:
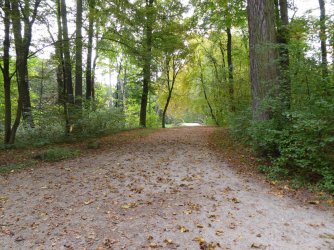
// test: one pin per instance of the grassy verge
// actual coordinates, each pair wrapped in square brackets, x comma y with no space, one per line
[17,166]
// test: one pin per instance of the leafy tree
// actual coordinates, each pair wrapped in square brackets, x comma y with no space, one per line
[27,15]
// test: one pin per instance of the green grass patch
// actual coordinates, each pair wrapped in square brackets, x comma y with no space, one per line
[16,166]
[58,154]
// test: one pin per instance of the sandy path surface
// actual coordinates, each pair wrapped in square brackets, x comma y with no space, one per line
[165,191]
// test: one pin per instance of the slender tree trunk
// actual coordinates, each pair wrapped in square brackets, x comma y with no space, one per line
[170,89]
[166,108]
[68,84]
[284,62]
[67,56]
[147,62]
[91,18]
[263,55]
[125,79]
[78,57]
[60,57]
[323,39]
[6,72]
[230,69]
[16,122]
[206,96]
[118,93]
[41,89]
[93,75]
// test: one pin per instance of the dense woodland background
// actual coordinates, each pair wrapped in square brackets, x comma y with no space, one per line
[261,71]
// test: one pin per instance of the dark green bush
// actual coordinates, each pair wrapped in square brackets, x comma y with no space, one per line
[299,143]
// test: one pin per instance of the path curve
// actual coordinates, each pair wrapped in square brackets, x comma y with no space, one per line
[166,191]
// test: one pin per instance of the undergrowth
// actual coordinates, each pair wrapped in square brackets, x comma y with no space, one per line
[57,154]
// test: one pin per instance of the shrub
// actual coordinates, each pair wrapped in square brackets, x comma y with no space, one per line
[102,121]
[57,154]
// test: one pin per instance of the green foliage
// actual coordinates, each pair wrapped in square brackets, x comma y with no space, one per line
[93,144]
[101,122]
[58,154]
[16,166]
[299,143]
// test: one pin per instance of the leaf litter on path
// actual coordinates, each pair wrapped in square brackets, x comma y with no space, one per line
[168,190]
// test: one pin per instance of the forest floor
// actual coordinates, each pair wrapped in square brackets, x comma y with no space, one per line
[169,189]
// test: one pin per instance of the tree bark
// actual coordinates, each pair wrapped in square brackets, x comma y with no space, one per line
[323,39]
[16,122]
[147,62]
[78,56]
[284,62]
[206,96]
[170,89]
[263,55]
[6,72]
[22,45]
[60,57]
[230,69]
[67,56]
[91,18]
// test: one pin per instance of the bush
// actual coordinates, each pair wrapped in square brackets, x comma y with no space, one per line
[57,154]
[102,121]
[299,143]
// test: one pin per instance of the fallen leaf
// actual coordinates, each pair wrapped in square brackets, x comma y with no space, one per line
[129,205]
[150,237]
[327,236]
[212,216]
[219,232]
[235,200]
[199,239]
[168,241]
[3,199]
[330,202]
[187,211]
[153,245]
[19,238]
[255,245]
[183,229]
[314,202]
[232,226]
[89,202]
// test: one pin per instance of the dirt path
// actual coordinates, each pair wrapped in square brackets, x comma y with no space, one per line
[165,191]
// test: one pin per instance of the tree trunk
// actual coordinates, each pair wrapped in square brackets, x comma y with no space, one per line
[22,45]
[263,55]
[284,62]
[60,57]
[165,108]
[323,39]
[206,96]
[230,69]
[93,75]
[67,56]
[91,18]
[170,89]
[6,72]
[119,93]
[147,62]
[78,57]
[16,122]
